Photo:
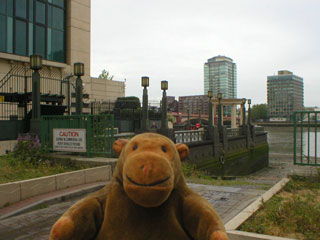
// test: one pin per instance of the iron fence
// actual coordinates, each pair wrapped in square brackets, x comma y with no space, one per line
[99,131]
[306,138]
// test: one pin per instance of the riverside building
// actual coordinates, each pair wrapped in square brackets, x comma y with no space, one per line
[220,75]
[285,95]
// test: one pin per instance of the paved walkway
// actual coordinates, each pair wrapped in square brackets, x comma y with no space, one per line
[228,201]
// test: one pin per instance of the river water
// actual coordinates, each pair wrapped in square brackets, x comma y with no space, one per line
[281,140]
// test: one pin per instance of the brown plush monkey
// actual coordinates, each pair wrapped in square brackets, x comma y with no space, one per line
[147,199]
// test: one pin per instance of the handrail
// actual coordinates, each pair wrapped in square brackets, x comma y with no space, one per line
[189,136]
[15,69]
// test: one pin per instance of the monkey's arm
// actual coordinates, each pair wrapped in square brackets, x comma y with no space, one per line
[83,219]
[201,221]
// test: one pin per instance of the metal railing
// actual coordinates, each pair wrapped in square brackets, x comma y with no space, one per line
[16,90]
[99,131]
[306,138]
[234,132]
[10,111]
[189,136]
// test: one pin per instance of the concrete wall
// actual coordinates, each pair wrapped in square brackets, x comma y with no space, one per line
[17,191]
[7,146]
[106,90]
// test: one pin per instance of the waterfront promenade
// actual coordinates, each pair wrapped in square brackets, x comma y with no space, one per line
[228,201]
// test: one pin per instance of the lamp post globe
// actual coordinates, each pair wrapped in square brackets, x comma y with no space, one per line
[35,62]
[145,81]
[164,85]
[78,69]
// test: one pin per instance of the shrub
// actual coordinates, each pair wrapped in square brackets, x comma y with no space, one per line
[28,149]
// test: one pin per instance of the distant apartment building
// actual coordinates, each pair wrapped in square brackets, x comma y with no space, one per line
[220,75]
[172,104]
[285,95]
[193,104]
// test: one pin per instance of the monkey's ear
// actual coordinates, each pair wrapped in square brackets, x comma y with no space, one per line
[183,150]
[118,145]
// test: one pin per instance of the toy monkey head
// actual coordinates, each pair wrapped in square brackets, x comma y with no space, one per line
[149,167]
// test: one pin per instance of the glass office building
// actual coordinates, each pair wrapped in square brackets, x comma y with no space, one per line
[285,95]
[220,75]
[34,27]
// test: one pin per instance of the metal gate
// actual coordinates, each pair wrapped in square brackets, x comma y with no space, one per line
[306,138]
[99,131]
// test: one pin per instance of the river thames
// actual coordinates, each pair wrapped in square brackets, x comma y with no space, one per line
[281,140]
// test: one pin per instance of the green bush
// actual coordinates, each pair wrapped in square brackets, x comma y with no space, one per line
[28,149]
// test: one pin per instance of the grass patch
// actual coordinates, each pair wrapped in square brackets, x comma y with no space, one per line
[193,175]
[12,169]
[294,212]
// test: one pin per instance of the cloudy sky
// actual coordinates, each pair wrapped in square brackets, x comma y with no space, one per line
[172,39]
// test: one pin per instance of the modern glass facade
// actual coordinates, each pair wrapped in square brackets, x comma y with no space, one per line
[285,95]
[34,27]
[220,75]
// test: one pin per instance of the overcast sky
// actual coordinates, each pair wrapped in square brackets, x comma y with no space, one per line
[172,39]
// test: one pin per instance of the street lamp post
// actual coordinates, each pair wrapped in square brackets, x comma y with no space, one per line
[144,84]
[164,118]
[210,109]
[79,71]
[35,65]
[220,110]
[243,112]
[249,112]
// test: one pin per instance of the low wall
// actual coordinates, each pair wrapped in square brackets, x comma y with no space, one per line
[11,128]
[17,191]
[7,146]
[237,159]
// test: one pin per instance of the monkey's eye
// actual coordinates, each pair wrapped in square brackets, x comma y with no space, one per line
[164,149]
[135,147]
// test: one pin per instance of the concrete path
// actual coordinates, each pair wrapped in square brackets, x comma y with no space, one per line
[228,201]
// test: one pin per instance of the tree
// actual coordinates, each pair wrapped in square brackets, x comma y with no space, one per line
[106,75]
[259,111]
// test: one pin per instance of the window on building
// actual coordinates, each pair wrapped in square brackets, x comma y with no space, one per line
[33,27]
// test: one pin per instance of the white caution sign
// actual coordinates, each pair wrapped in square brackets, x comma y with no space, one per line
[69,140]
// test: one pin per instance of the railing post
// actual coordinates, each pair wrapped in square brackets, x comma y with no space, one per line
[89,135]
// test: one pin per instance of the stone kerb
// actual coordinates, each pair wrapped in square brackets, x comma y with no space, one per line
[234,223]
[9,193]
[17,191]
[239,235]
[34,187]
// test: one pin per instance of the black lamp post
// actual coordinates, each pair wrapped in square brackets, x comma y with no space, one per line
[220,110]
[144,84]
[78,70]
[35,65]
[249,112]
[243,112]
[164,118]
[210,95]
